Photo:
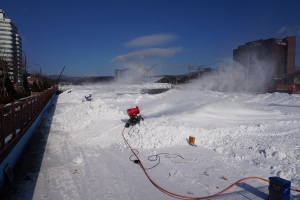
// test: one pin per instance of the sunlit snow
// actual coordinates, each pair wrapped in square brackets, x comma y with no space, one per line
[237,135]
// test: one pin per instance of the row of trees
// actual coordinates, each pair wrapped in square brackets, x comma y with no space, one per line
[40,86]
[10,92]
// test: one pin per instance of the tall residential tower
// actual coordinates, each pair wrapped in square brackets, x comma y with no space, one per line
[10,49]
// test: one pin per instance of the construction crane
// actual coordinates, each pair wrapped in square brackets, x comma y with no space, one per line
[197,68]
[148,70]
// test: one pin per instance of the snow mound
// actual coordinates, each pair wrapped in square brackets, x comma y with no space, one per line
[261,130]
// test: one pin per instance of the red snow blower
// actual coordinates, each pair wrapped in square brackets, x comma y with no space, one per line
[135,117]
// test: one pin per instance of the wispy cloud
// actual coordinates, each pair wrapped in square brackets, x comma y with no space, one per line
[281,30]
[146,54]
[288,31]
[150,40]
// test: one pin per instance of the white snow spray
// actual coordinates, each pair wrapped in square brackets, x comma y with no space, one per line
[256,76]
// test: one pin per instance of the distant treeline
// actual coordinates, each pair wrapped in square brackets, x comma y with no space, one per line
[82,80]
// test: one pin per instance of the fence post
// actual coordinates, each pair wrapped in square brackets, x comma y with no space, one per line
[2,141]
[13,107]
[22,117]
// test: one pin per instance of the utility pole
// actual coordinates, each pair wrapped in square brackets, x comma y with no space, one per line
[40,68]
[247,71]
[60,75]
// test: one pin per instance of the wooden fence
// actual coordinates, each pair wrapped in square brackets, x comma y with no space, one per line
[17,117]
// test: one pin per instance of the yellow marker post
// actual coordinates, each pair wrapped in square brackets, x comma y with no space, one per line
[192,140]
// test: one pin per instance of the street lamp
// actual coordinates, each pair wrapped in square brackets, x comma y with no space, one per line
[40,68]
[25,62]
[25,81]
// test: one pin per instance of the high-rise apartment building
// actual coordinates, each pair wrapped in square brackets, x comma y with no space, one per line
[10,49]
[276,58]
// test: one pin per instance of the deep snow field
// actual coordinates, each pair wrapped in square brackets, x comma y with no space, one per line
[237,135]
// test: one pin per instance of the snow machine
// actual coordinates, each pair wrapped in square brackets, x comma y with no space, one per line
[88,98]
[134,116]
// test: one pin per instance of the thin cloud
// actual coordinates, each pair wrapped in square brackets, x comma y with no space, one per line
[288,31]
[147,53]
[150,40]
[281,30]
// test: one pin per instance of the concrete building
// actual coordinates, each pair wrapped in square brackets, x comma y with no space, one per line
[278,55]
[10,49]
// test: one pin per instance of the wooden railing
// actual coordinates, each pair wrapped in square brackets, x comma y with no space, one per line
[17,117]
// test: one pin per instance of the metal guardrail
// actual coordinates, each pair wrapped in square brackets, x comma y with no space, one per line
[17,117]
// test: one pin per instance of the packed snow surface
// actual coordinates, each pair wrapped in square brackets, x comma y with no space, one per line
[237,135]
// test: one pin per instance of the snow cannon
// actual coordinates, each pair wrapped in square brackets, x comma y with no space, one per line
[134,116]
[133,111]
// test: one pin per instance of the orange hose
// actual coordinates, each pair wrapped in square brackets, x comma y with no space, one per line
[189,197]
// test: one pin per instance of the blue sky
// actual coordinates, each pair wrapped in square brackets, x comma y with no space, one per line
[95,37]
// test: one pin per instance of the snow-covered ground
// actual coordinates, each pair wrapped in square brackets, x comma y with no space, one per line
[237,135]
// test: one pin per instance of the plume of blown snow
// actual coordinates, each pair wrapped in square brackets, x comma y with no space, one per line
[256,76]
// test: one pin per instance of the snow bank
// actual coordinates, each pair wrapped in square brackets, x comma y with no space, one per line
[239,126]
[237,135]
